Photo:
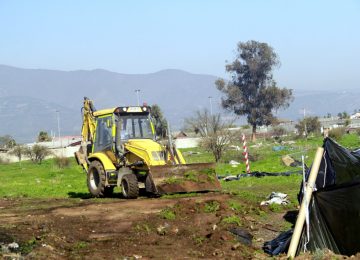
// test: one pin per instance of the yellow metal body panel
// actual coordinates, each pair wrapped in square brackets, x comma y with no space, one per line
[104,112]
[146,149]
[104,159]
[181,158]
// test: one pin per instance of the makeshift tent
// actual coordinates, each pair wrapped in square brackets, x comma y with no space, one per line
[334,210]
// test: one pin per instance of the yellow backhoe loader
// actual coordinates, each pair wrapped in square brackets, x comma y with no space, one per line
[119,149]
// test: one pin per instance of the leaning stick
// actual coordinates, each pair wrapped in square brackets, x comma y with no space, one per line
[305,203]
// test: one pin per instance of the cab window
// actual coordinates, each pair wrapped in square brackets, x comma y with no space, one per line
[103,139]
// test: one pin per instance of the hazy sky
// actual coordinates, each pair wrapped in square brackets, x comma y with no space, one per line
[318,42]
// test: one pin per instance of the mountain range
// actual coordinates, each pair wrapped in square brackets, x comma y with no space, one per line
[33,100]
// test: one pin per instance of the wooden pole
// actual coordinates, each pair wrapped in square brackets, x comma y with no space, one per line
[305,203]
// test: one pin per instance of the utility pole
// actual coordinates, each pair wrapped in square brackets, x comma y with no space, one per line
[211,108]
[137,91]
[58,122]
[305,128]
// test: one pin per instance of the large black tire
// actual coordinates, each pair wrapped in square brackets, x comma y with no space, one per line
[130,186]
[150,187]
[96,179]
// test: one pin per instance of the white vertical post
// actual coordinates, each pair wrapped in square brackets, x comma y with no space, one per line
[305,203]
[211,108]
[137,91]
[58,122]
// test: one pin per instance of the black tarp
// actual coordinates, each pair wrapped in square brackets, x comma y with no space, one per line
[334,210]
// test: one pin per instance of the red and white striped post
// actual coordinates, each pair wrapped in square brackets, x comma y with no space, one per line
[246,155]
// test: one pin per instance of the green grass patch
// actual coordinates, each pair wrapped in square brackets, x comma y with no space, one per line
[211,206]
[168,214]
[28,246]
[233,219]
[179,195]
[236,206]
[276,207]
[45,180]
[80,245]
[350,141]
[143,228]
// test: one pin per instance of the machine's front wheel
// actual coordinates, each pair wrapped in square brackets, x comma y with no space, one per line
[130,186]
[96,179]
[150,187]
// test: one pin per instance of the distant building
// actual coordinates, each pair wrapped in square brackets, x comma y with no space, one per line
[180,134]
[355,116]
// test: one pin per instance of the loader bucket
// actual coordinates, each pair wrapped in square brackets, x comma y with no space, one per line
[184,178]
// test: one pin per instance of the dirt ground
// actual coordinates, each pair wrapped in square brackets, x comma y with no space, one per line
[145,228]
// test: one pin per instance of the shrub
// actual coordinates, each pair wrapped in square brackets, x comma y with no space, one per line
[254,156]
[308,125]
[337,133]
[18,151]
[279,131]
[37,153]
[62,161]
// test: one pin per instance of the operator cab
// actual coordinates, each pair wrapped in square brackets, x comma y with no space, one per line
[135,123]
[121,124]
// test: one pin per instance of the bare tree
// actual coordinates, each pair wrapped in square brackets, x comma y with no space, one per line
[18,151]
[37,153]
[216,136]
[204,123]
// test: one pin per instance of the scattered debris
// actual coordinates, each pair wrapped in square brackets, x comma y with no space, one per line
[256,145]
[232,177]
[242,235]
[13,246]
[287,160]
[236,246]
[279,244]
[276,198]
[279,148]
[289,142]
[235,147]
[234,163]
[257,174]
[191,153]
[8,248]
[161,230]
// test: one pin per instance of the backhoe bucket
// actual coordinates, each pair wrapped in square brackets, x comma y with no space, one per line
[184,178]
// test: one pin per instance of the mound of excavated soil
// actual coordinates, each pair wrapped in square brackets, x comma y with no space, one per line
[178,228]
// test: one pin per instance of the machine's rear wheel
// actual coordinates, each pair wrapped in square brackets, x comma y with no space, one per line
[96,179]
[130,186]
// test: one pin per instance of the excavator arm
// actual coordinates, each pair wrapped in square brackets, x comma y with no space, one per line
[87,132]
[88,127]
